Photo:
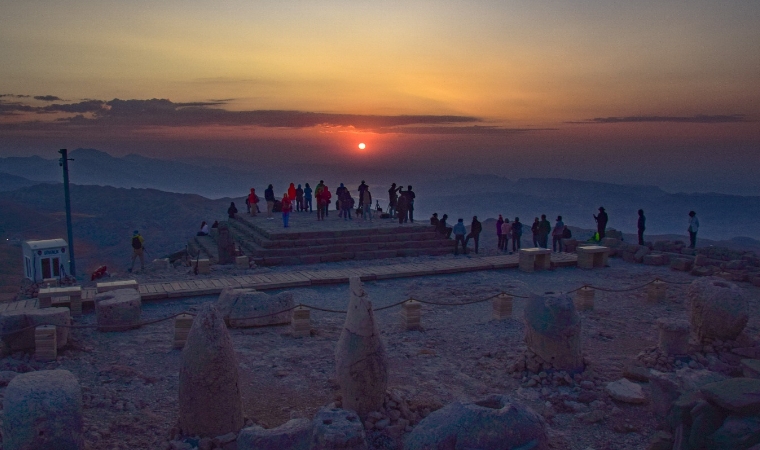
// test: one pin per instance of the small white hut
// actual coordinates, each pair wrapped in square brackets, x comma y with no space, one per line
[45,259]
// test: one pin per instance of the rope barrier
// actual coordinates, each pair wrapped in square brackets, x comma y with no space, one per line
[328,310]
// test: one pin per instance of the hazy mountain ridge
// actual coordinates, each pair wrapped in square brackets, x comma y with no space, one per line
[10,182]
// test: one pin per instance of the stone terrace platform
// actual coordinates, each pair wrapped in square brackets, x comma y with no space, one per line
[308,241]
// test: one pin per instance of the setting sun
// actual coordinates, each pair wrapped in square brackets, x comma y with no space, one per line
[362,146]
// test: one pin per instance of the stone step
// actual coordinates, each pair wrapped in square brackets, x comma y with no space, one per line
[342,256]
[209,247]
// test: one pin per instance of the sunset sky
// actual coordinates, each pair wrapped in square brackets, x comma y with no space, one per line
[650,92]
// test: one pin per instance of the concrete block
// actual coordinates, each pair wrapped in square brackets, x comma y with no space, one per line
[45,348]
[241,262]
[532,259]
[411,315]
[182,325]
[584,298]
[114,285]
[118,310]
[301,321]
[502,306]
[657,292]
[592,256]
[674,336]
[204,266]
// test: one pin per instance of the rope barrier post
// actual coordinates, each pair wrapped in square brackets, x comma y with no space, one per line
[204,266]
[584,298]
[410,315]
[75,303]
[241,262]
[182,324]
[657,291]
[301,321]
[674,336]
[502,306]
[45,343]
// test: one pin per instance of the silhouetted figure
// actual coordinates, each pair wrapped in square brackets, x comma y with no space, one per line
[269,197]
[204,229]
[299,198]
[601,222]
[307,200]
[253,202]
[534,230]
[506,232]
[232,210]
[366,203]
[362,187]
[287,207]
[443,227]
[292,194]
[499,236]
[402,206]
[544,228]
[392,200]
[693,228]
[346,205]
[459,232]
[475,228]
[138,250]
[339,194]
[642,225]
[557,234]
[434,220]
[410,207]
[215,224]
[517,229]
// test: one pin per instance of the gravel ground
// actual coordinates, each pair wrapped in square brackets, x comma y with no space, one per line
[130,379]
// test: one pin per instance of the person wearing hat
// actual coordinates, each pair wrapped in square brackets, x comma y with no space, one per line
[601,222]
[693,228]
[138,250]
[362,187]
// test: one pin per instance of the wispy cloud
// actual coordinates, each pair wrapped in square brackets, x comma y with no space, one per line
[48,98]
[699,118]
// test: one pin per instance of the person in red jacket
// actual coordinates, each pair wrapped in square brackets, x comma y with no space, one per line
[292,193]
[253,200]
[287,206]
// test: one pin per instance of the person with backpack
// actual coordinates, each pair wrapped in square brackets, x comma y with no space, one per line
[307,197]
[459,232]
[517,229]
[232,210]
[544,228]
[138,250]
[557,233]
[269,197]
[299,198]
[642,225]
[346,204]
[475,228]
[601,222]
[287,207]
[253,201]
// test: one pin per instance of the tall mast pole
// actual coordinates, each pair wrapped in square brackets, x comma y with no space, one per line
[64,162]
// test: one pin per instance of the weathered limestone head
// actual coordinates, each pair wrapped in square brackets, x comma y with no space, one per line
[553,331]
[361,364]
[209,391]
[719,309]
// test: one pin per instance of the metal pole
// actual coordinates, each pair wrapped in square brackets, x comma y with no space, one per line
[64,162]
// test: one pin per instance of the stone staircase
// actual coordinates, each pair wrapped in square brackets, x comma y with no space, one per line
[267,246]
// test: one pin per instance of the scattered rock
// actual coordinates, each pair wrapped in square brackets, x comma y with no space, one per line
[719,309]
[335,428]
[43,410]
[241,308]
[209,393]
[293,435]
[626,391]
[494,422]
[738,395]
[553,331]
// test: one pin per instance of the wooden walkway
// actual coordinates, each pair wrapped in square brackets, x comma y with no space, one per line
[300,278]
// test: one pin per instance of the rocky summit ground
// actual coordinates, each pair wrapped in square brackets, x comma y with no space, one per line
[130,379]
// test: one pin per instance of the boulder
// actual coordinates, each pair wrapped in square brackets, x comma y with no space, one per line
[719,309]
[118,310]
[736,433]
[642,251]
[682,264]
[335,428]
[242,308]
[553,331]
[361,364]
[701,271]
[655,259]
[295,434]
[14,321]
[626,391]
[495,422]
[738,395]
[209,391]
[43,410]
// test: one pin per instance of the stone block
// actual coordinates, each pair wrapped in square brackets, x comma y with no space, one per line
[502,306]
[45,347]
[584,298]
[301,321]
[242,262]
[182,325]
[570,245]
[12,322]
[751,368]
[204,266]
[533,259]
[115,285]
[50,282]
[592,256]
[494,422]
[719,309]
[657,292]
[43,410]
[161,264]
[681,264]
[674,336]
[410,315]
[553,331]
[626,391]
[335,428]
[657,259]
[118,310]
[45,295]
[295,434]
[243,308]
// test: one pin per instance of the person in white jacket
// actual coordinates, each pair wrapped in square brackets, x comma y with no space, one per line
[693,228]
